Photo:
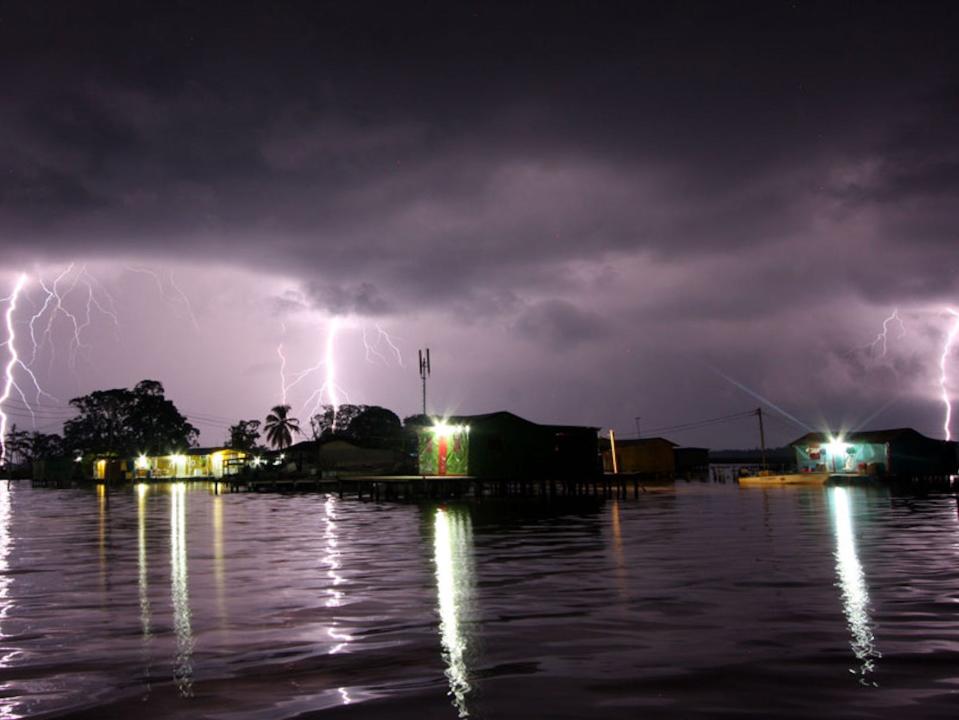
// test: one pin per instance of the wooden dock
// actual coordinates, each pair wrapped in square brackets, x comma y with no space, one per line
[415,487]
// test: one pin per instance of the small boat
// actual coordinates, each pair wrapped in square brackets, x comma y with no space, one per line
[769,479]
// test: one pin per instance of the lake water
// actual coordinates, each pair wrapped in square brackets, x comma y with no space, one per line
[701,600]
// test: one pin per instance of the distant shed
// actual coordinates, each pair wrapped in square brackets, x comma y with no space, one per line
[899,452]
[341,456]
[653,456]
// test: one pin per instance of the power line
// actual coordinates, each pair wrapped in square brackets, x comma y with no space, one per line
[696,424]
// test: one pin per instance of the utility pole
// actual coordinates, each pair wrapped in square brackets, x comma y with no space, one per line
[637,418]
[612,450]
[424,373]
[762,435]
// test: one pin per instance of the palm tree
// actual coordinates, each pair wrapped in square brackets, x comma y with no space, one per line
[280,427]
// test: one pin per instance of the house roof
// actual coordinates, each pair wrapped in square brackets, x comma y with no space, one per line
[506,416]
[206,450]
[302,446]
[863,436]
[629,442]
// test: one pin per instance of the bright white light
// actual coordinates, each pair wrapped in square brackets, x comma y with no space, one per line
[142,463]
[852,581]
[836,447]
[179,465]
[443,430]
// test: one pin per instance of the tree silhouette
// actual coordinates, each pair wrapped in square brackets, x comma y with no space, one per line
[17,443]
[126,422]
[244,434]
[280,427]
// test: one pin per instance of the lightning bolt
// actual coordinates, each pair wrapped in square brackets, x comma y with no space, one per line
[947,348]
[184,299]
[373,348]
[283,387]
[181,299]
[54,303]
[14,363]
[55,306]
[389,341]
[329,391]
[329,388]
[883,337]
[110,311]
[330,383]
[36,317]
[14,359]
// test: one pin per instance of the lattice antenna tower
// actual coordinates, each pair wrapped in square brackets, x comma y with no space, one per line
[424,373]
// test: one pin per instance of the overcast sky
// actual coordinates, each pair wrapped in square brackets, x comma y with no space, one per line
[588,213]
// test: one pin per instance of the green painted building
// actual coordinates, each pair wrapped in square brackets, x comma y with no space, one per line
[504,445]
[900,452]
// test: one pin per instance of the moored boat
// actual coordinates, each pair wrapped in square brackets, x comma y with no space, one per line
[768,479]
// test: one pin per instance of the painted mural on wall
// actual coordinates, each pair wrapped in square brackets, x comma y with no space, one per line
[841,457]
[444,452]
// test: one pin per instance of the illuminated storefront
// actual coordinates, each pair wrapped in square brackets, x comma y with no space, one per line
[194,463]
[901,452]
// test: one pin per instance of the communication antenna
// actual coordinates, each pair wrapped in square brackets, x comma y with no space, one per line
[424,373]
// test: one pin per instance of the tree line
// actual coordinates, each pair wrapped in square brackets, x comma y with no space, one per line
[127,422]
[367,425]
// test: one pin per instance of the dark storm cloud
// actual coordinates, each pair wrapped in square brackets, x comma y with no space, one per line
[344,299]
[559,324]
[421,156]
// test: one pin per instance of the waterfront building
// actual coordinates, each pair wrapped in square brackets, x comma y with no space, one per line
[504,445]
[646,456]
[899,452]
[335,456]
[194,463]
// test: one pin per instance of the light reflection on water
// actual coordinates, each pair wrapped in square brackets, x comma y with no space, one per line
[852,583]
[695,601]
[219,566]
[143,584]
[143,571]
[453,555]
[103,508]
[332,560]
[8,707]
[180,591]
[618,557]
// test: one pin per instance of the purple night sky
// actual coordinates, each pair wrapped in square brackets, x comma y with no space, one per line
[587,213]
